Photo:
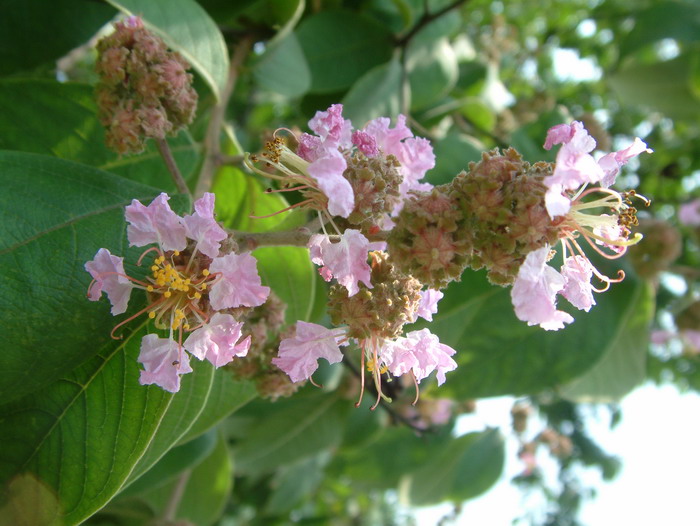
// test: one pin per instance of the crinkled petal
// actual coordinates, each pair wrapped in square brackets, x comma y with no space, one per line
[578,272]
[388,139]
[332,128]
[163,362]
[238,284]
[612,162]
[422,353]
[218,341]
[429,299]
[559,134]
[309,146]
[345,260]
[155,223]
[556,203]
[108,272]
[203,228]
[534,292]
[365,143]
[298,356]
[328,170]
[416,157]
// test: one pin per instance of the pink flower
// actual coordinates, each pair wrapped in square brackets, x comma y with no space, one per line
[422,353]
[238,283]
[155,223]
[689,213]
[308,147]
[327,170]
[108,274]
[163,362]
[365,143]
[612,162]
[577,272]
[345,260]
[298,356]
[332,128]
[218,340]
[388,139]
[534,292]
[203,228]
[429,299]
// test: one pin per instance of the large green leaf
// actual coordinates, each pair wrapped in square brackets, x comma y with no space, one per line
[283,68]
[465,468]
[375,94]
[75,134]
[340,46]
[623,366]
[54,216]
[32,34]
[433,71]
[289,430]
[82,435]
[498,354]
[188,29]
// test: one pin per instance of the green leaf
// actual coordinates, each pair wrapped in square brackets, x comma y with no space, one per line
[188,29]
[623,366]
[289,430]
[26,105]
[283,68]
[54,216]
[288,271]
[376,94]
[464,469]
[433,71]
[82,435]
[206,491]
[295,482]
[32,35]
[453,154]
[498,354]
[340,46]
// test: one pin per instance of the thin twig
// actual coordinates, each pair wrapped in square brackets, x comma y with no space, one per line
[212,141]
[425,20]
[297,237]
[231,159]
[167,156]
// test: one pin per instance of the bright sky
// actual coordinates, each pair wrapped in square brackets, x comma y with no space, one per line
[658,440]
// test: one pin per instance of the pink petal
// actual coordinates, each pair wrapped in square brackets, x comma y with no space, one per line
[534,292]
[332,128]
[578,272]
[238,284]
[559,134]
[429,299]
[345,260]
[689,213]
[612,162]
[328,170]
[388,139]
[308,148]
[203,228]
[422,353]
[556,203]
[298,356]
[218,340]
[163,362]
[108,272]
[365,143]
[155,223]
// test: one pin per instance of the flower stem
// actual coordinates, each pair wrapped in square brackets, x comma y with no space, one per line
[167,156]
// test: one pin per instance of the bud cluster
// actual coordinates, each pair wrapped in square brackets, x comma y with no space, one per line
[144,89]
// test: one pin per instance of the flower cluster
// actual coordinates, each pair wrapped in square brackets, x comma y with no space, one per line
[194,284]
[572,209]
[144,89]
[360,175]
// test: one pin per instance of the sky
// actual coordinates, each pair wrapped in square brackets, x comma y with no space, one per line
[658,441]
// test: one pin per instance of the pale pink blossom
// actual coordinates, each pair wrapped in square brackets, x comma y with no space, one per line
[561,133]
[612,232]
[332,128]
[163,361]
[689,213]
[155,223]
[308,147]
[534,292]
[298,356]
[612,162]
[345,260]
[421,353]
[218,340]
[578,272]
[203,228]
[661,337]
[429,299]
[388,139]
[108,272]
[327,170]
[238,283]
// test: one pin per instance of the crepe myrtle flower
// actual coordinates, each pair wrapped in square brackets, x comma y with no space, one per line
[322,169]
[190,287]
[571,203]
[417,354]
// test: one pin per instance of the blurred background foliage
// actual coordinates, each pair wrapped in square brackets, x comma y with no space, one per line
[471,75]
